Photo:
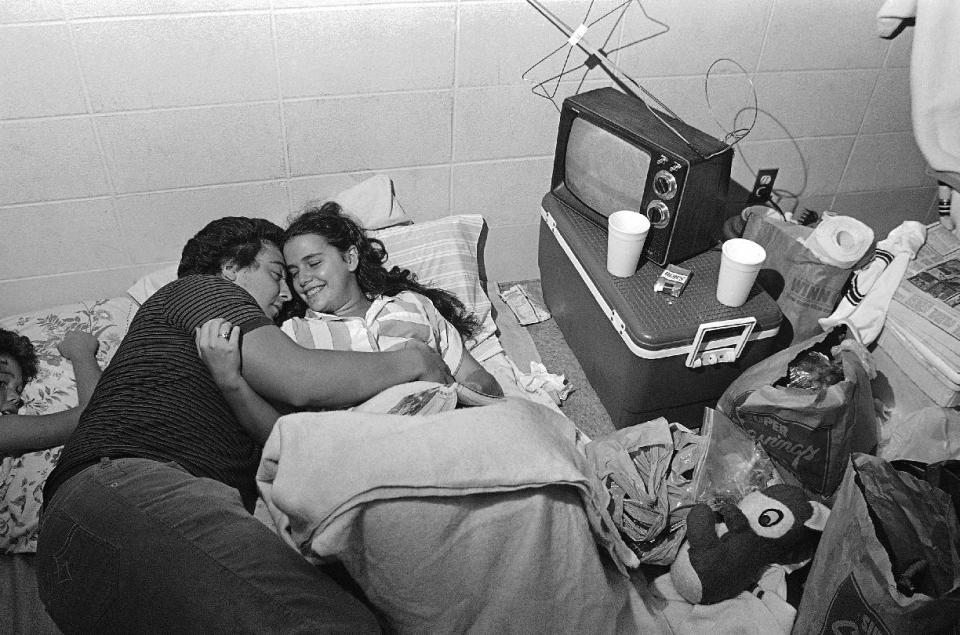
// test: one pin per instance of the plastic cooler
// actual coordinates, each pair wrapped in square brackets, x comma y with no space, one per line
[645,353]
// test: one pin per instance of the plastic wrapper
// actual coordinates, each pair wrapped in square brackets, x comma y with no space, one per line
[731,464]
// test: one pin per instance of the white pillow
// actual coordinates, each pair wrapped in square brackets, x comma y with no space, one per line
[373,203]
[443,253]
[148,284]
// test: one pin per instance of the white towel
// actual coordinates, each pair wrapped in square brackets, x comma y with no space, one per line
[934,83]
[863,307]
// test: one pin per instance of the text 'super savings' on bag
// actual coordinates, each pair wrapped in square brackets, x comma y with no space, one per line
[808,432]
[888,560]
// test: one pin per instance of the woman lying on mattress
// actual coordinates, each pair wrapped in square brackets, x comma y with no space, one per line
[146,521]
[352,302]
[18,366]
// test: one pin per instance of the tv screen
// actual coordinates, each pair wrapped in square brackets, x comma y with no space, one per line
[606,172]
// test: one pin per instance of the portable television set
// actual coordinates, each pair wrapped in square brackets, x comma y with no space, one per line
[613,152]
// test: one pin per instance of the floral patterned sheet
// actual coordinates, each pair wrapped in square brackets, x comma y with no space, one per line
[54,389]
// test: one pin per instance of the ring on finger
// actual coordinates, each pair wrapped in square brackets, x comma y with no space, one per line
[225,336]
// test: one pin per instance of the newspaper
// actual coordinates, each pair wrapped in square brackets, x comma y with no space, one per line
[931,286]
[525,307]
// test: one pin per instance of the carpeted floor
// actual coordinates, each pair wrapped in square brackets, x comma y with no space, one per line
[582,405]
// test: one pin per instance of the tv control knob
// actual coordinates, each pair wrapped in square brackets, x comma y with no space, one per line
[665,185]
[658,213]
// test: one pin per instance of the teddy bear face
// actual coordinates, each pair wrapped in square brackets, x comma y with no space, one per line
[767,516]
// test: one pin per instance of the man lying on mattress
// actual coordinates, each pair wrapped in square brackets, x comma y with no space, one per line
[146,519]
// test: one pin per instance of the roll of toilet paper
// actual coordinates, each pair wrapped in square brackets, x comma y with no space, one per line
[840,241]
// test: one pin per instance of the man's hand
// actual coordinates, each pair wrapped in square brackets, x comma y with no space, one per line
[221,354]
[430,366]
[78,345]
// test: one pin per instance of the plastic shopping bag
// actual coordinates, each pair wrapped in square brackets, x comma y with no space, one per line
[889,558]
[809,419]
[731,463]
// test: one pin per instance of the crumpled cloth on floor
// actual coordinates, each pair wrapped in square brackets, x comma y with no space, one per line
[480,519]
[765,613]
[863,307]
[539,378]
[646,473]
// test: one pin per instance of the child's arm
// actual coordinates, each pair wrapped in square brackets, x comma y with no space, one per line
[472,375]
[81,348]
[20,434]
[222,357]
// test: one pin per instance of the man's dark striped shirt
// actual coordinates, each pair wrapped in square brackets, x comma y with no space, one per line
[157,400]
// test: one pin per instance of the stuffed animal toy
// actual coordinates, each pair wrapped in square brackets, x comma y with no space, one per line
[718,562]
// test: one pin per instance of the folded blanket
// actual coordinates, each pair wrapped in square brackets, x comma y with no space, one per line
[360,457]
[477,519]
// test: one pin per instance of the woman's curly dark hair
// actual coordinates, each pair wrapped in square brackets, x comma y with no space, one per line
[21,349]
[342,232]
[232,239]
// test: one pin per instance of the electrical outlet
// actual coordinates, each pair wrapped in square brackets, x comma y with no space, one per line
[762,187]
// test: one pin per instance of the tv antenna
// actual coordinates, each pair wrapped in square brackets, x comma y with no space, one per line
[595,56]
[600,57]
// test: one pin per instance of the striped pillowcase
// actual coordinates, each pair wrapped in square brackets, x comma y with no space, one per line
[443,253]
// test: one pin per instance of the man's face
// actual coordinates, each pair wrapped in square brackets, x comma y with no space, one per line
[266,280]
[11,384]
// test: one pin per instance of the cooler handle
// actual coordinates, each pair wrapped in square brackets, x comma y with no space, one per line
[720,342]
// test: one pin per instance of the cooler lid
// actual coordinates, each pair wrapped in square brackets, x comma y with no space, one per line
[654,321]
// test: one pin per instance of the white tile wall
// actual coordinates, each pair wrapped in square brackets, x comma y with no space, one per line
[39,73]
[176,216]
[30,10]
[125,125]
[88,242]
[177,61]
[393,48]
[49,159]
[822,34]
[370,132]
[700,32]
[166,149]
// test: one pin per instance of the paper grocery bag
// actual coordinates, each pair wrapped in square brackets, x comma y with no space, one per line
[809,434]
[805,288]
[888,560]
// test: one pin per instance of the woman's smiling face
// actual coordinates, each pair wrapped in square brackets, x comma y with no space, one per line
[323,276]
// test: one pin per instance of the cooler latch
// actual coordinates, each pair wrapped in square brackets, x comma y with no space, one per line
[720,342]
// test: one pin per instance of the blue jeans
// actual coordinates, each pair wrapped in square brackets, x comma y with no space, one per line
[135,546]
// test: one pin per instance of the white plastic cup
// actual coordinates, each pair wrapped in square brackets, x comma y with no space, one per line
[627,232]
[740,261]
